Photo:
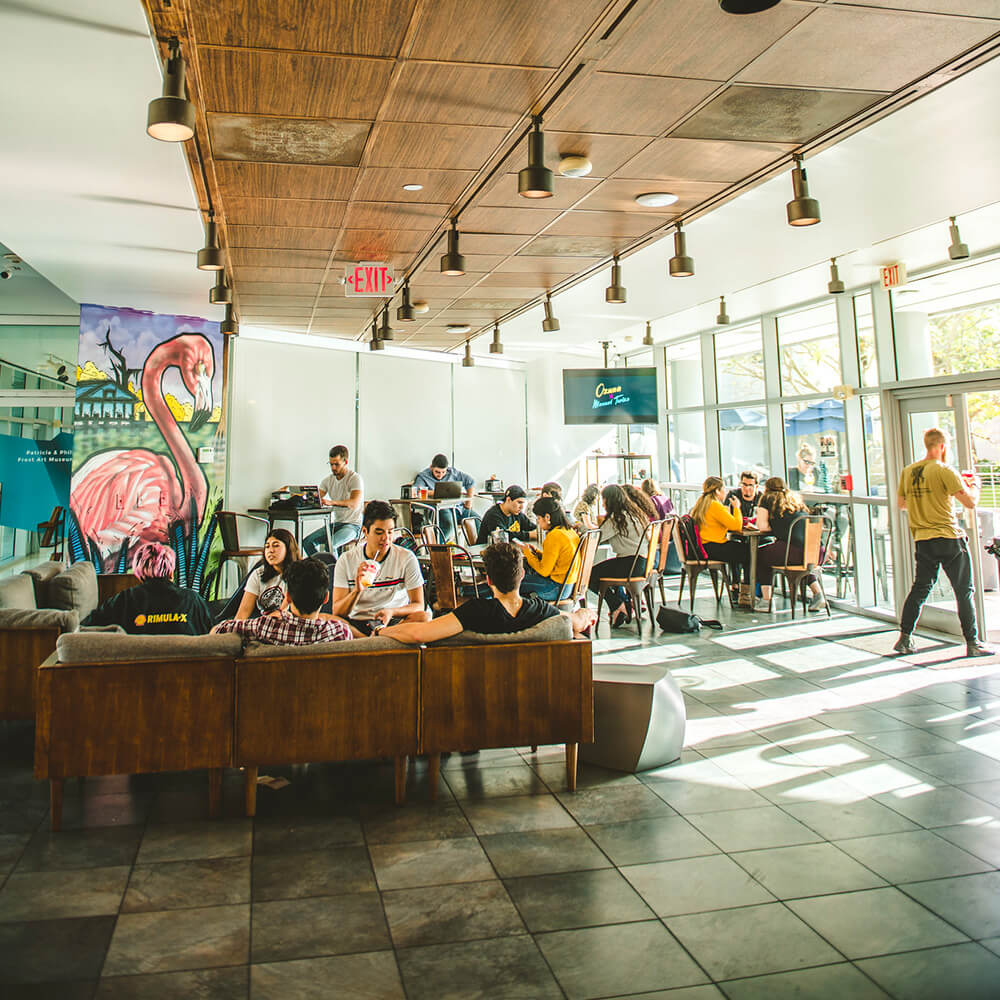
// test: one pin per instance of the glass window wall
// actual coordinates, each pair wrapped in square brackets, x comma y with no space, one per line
[743,441]
[809,350]
[864,328]
[684,378]
[739,364]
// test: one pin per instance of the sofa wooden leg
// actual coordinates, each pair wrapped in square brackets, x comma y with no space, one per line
[250,778]
[400,768]
[571,766]
[214,792]
[534,748]
[55,803]
[433,774]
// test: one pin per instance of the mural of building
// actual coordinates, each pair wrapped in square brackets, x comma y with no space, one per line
[103,403]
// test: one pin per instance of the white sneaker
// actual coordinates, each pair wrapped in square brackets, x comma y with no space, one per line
[818,603]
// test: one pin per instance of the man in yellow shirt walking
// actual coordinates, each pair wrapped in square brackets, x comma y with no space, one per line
[926,489]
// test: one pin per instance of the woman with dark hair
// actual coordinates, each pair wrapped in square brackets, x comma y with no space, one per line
[265,589]
[622,528]
[642,501]
[779,507]
[585,510]
[664,505]
[715,521]
[545,571]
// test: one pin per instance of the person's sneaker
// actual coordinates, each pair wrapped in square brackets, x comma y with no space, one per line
[904,645]
[978,649]
[818,603]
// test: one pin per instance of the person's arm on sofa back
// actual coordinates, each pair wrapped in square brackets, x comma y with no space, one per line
[419,632]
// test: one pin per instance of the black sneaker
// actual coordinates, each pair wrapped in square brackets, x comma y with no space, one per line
[904,645]
[978,649]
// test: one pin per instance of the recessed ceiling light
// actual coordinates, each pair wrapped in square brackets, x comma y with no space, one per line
[413,187]
[420,307]
[575,166]
[656,199]
[459,328]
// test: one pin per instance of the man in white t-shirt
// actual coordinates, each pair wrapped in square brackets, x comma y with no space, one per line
[344,491]
[393,592]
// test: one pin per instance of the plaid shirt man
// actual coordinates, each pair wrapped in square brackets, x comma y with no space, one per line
[287,629]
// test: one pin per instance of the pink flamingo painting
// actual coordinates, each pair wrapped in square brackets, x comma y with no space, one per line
[136,494]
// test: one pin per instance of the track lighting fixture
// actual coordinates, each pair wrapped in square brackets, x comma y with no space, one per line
[230,326]
[835,286]
[681,265]
[170,118]
[405,314]
[535,180]
[211,256]
[801,210]
[468,361]
[453,262]
[647,340]
[385,331]
[747,6]
[375,344]
[615,292]
[723,318]
[220,293]
[496,347]
[550,324]
[958,250]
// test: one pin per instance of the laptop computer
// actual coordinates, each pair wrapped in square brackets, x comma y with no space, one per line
[447,491]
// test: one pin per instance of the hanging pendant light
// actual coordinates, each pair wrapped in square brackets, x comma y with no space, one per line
[211,256]
[615,292]
[801,210]
[220,293]
[385,331]
[468,361]
[171,118]
[647,340]
[229,325]
[747,6]
[723,318]
[681,265]
[535,180]
[550,324]
[834,286]
[496,347]
[375,344]
[958,250]
[405,314]
[453,262]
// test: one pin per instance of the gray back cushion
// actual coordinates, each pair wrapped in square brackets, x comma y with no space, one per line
[40,575]
[553,629]
[65,621]
[74,589]
[18,592]
[347,647]
[90,647]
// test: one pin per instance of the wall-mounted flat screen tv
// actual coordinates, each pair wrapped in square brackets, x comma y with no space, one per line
[610,396]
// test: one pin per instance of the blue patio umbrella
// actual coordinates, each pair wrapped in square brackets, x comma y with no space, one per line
[825,416]
[741,417]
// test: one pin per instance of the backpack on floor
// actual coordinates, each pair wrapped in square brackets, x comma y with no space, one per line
[674,619]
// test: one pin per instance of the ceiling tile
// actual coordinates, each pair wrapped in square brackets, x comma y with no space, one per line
[573,246]
[479,300]
[443,283]
[703,159]
[864,49]
[627,105]
[500,279]
[549,266]
[284,180]
[773,114]
[283,212]
[276,289]
[249,257]
[695,38]
[449,147]
[971,8]
[288,140]
[291,275]
[464,95]
[268,82]
[619,196]
[274,237]
[488,243]
[507,32]
[520,221]
[440,187]
[306,25]
[616,224]
[568,191]
[374,244]
[394,215]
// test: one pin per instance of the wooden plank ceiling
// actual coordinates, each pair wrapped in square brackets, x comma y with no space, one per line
[313,114]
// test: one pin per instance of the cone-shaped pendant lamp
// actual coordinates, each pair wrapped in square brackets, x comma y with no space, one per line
[230,326]
[496,347]
[453,262]
[210,256]
[170,118]
[468,361]
[535,180]
[615,292]
[834,286]
[405,314]
[801,210]
[220,293]
[550,324]
[958,250]
[681,265]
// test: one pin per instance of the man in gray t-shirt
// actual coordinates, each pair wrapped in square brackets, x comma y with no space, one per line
[344,491]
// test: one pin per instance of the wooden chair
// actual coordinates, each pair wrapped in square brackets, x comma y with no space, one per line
[449,588]
[666,537]
[470,529]
[234,528]
[816,531]
[431,534]
[639,585]
[52,533]
[691,569]
[583,560]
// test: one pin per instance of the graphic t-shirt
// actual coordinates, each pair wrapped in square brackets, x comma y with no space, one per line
[269,593]
[341,489]
[156,607]
[519,525]
[488,616]
[927,487]
[397,573]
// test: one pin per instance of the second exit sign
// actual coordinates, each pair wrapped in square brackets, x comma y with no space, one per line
[371,278]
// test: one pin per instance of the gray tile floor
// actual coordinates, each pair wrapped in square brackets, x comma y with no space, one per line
[832,830]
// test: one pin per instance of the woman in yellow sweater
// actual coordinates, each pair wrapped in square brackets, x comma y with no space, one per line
[545,572]
[714,520]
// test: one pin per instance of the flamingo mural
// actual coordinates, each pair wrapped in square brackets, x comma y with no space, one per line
[122,496]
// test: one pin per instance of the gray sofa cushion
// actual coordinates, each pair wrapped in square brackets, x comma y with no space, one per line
[18,592]
[65,621]
[40,576]
[89,647]
[74,589]
[366,645]
[555,629]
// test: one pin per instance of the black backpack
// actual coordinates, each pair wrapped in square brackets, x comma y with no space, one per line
[674,619]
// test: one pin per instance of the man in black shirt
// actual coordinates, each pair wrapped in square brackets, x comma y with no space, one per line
[156,606]
[506,612]
[508,514]
[748,494]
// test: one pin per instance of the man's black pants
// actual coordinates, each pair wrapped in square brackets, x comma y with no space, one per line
[951,554]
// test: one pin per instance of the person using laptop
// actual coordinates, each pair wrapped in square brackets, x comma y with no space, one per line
[508,515]
[343,490]
[441,471]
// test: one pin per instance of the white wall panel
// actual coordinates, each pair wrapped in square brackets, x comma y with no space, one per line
[290,405]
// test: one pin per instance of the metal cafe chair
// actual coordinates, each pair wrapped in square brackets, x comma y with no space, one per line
[240,534]
[692,566]
[638,584]
[816,531]
[583,561]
